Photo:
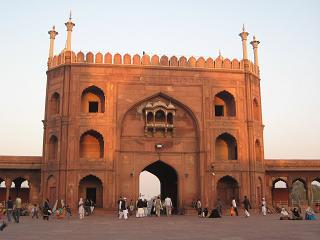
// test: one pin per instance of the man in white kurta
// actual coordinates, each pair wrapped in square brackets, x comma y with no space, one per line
[168,204]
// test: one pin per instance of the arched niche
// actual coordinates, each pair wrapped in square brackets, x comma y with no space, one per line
[91,145]
[258,150]
[54,104]
[92,100]
[53,148]
[227,189]
[91,188]
[256,110]
[226,147]
[224,104]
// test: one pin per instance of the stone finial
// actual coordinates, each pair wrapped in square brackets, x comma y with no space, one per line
[53,33]
[244,36]
[255,44]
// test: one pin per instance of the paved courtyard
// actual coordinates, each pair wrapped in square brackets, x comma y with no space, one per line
[176,227]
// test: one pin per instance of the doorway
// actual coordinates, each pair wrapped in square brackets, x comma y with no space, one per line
[91,193]
[90,187]
[168,180]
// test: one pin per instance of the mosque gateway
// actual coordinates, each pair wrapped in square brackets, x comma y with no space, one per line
[195,123]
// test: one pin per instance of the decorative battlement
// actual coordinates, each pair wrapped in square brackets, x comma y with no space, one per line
[67,56]
[155,60]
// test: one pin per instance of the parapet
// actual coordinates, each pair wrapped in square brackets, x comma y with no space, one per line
[155,60]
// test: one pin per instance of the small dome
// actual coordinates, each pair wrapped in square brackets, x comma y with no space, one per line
[171,106]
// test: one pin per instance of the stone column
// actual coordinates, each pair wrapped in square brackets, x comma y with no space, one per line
[244,36]
[8,183]
[69,26]
[255,44]
[53,35]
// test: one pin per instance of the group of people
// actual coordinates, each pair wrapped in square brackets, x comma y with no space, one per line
[217,211]
[296,214]
[85,207]
[143,207]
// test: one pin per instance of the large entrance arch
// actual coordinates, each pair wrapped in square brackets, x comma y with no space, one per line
[173,137]
[168,178]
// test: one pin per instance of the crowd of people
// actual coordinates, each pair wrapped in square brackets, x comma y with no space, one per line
[12,210]
[143,207]
[155,206]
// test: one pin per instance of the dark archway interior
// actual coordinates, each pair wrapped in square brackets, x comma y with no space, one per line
[90,187]
[228,188]
[168,180]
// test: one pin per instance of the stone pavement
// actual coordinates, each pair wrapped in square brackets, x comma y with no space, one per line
[175,227]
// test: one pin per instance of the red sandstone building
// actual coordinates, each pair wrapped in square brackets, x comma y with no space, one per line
[194,123]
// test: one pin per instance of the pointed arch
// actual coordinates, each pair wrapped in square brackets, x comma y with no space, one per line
[53,148]
[227,189]
[92,100]
[91,145]
[224,104]
[54,107]
[165,96]
[91,188]
[168,177]
[226,147]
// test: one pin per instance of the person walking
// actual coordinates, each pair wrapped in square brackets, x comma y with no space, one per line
[81,208]
[247,205]
[234,206]
[17,211]
[145,207]
[168,204]
[123,209]
[149,206]
[34,211]
[140,210]
[9,209]
[264,207]
[158,206]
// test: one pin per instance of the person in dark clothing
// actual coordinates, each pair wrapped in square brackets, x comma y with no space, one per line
[68,210]
[87,207]
[199,212]
[3,225]
[247,205]
[46,210]
[205,212]
[9,209]
[215,213]
[219,206]
[295,214]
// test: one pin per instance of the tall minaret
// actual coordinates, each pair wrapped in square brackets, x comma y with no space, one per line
[69,26]
[255,44]
[53,35]
[244,36]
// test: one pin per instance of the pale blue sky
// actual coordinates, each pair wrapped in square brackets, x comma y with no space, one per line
[289,57]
